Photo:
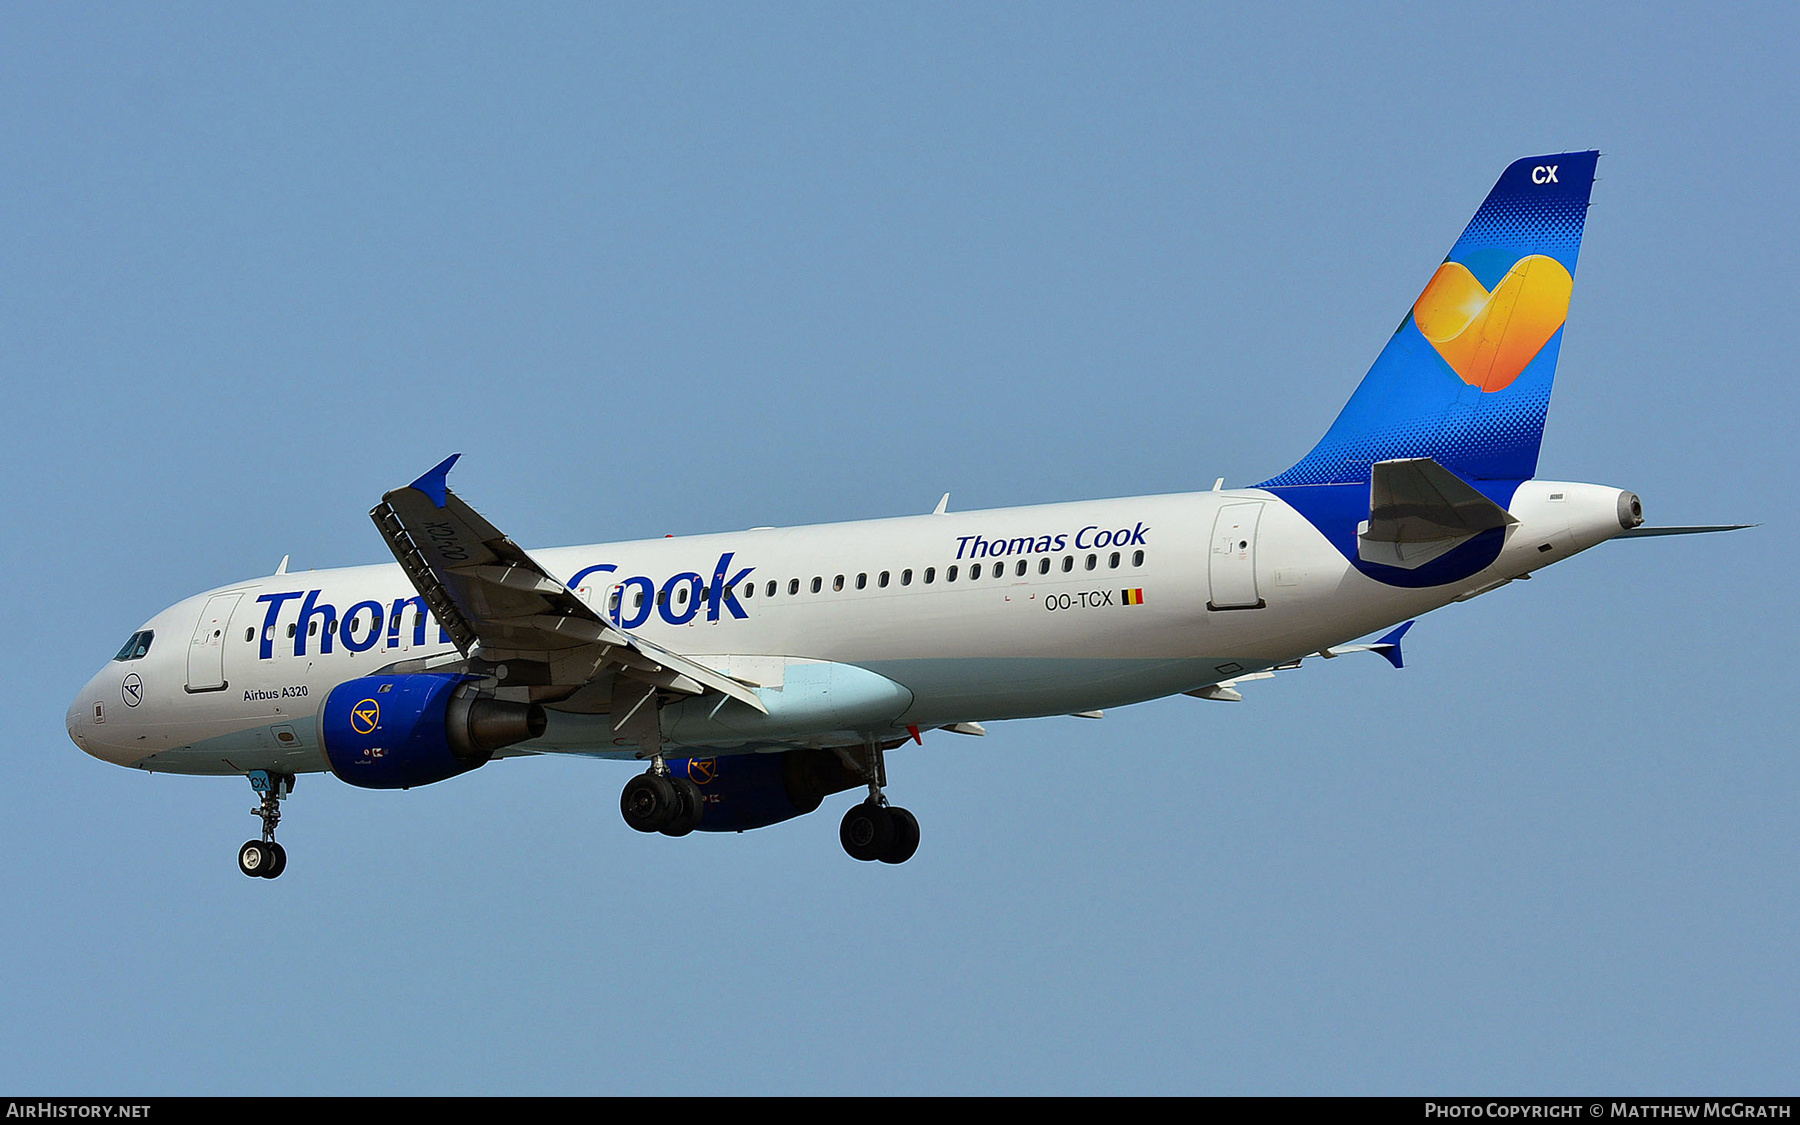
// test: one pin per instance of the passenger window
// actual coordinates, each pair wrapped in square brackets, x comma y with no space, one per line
[681,595]
[1043,566]
[883,580]
[1020,571]
[612,602]
[769,591]
[1093,561]
[862,581]
[793,586]
[906,578]
[1068,563]
[1113,562]
[930,573]
[837,583]
[662,597]
[291,630]
[818,584]
[1137,558]
[749,590]
[250,633]
[637,602]
[949,575]
[999,570]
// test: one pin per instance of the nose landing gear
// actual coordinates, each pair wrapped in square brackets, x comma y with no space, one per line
[265,858]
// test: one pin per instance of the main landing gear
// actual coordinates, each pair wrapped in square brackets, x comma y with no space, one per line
[656,801]
[879,831]
[875,829]
[265,858]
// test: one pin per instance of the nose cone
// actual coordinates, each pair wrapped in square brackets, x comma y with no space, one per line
[73,721]
[98,726]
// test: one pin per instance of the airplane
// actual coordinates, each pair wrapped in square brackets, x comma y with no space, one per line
[758,672]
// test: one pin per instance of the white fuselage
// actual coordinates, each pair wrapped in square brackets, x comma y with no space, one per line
[847,631]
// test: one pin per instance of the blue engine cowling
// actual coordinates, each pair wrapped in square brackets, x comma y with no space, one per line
[395,732]
[744,791]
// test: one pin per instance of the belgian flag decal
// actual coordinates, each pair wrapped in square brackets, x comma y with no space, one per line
[1135,596]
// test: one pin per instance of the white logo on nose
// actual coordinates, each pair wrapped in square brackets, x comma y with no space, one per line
[133,690]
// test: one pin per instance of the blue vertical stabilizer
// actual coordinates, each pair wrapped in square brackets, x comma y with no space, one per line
[1465,380]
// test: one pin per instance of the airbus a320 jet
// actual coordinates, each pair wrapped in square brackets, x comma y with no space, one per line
[758,672]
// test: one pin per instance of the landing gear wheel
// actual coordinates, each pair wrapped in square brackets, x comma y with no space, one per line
[649,803]
[906,836]
[255,858]
[277,860]
[693,807]
[867,831]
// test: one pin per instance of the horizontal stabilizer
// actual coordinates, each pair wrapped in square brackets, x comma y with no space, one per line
[1639,532]
[1419,510]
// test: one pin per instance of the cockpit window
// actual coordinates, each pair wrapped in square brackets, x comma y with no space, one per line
[137,646]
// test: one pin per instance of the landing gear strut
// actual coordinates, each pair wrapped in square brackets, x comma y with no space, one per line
[875,829]
[265,858]
[656,801]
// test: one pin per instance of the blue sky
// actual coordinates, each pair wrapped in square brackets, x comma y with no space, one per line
[672,269]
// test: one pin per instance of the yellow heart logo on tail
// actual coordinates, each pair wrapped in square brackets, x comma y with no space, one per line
[1488,338]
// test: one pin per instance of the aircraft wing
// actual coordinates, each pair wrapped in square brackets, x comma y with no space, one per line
[508,616]
[1387,647]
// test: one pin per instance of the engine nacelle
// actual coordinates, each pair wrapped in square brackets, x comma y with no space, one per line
[395,732]
[745,791]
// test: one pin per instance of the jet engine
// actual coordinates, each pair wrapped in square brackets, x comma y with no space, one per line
[395,732]
[743,791]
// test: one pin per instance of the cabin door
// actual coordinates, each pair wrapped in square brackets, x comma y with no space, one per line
[1232,559]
